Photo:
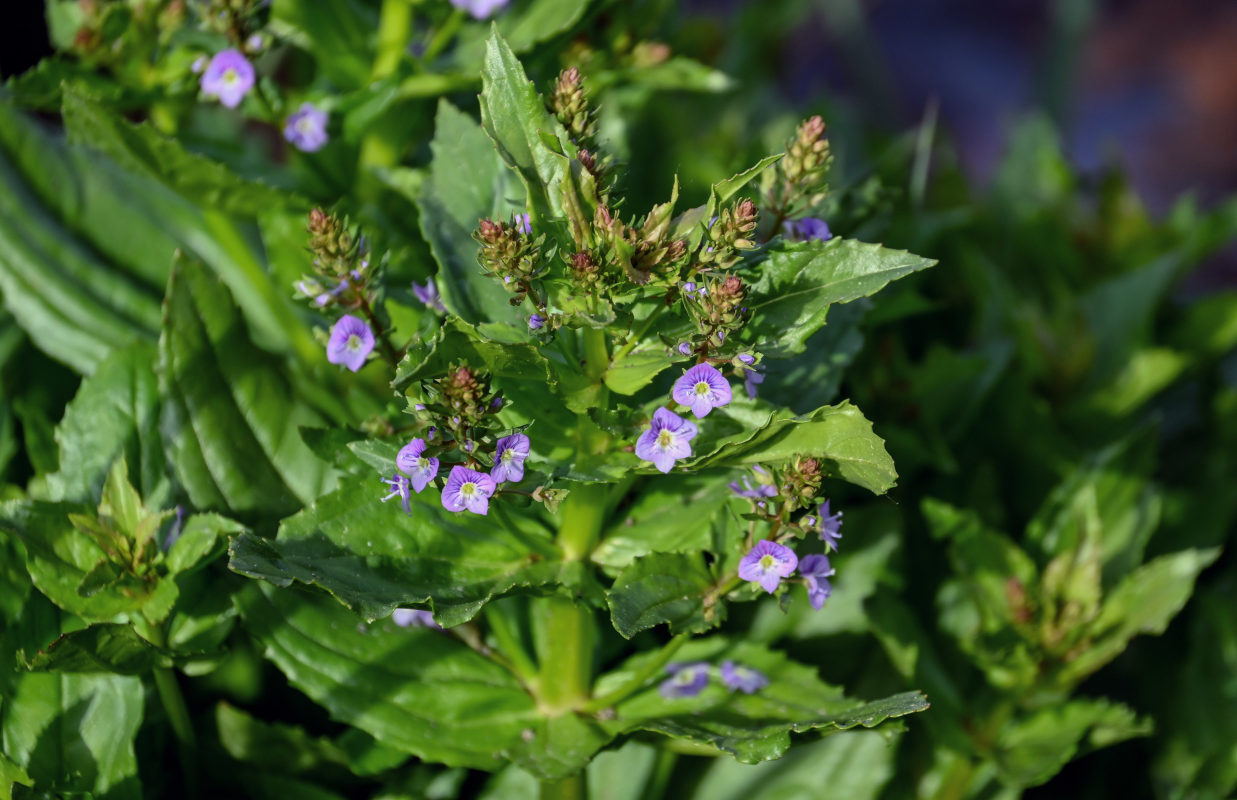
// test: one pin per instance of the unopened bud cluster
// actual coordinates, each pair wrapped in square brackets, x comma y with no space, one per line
[800,180]
[802,482]
[342,272]
[459,408]
[569,103]
[732,232]
[510,255]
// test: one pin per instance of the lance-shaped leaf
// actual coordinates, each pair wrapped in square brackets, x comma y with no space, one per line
[103,647]
[663,588]
[467,182]
[670,514]
[114,414]
[374,558]
[417,690]
[229,421]
[753,727]
[838,435]
[799,281]
[528,138]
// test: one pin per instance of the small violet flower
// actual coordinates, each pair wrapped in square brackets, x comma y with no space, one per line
[229,76]
[509,458]
[751,379]
[412,462]
[666,440]
[198,64]
[428,294]
[536,322]
[816,570]
[688,679]
[689,287]
[468,489]
[806,229]
[523,223]
[752,492]
[743,679]
[414,618]
[350,343]
[685,348]
[398,486]
[306,128]
[702,388]
[829,526]
[767,563]
[480,9]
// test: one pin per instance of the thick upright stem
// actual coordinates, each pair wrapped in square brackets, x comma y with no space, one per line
[178,717]
[380,147]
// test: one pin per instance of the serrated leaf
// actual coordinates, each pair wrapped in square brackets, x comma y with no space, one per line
[1145,601]
[1032,749]
[374,558]
[467,182]
[229,420]
[102,647]
[756,727]
[113,414]
[145,151]
[670,514]
[663,588]
[838,435]
[75,732]
[413,689]
[799,281]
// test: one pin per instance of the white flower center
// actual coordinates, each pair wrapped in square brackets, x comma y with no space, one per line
[767,563]
[665,439]
[701,389]
[468,489]
[354,342]
[230,76]
[508,455]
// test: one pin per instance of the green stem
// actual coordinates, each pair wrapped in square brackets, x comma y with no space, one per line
[573,788]
[641,678]
[639,334]
[379,148]
[507,637]
[178,716]
[443,36]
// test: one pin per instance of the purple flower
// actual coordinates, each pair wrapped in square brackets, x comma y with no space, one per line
[413,463]
[751,379]
[753,492]
[198,64]
[702,388]
[397,486]
[228,76]
[685,348]
[480,9]
[747,358]
[350,343]
[816,570]
[468,489]
[509,458]
[523,223]
[428,294]
[536,321]
[687,679]
[306,128]
[496,404]
[414,618]
[767,563]
[806,229]
[829,526]
[666,440]
[743,679]
[689,287]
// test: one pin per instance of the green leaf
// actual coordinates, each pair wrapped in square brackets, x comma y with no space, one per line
[272,746]
[75,732]
[638,368]
[11,774]
[662,588]
[413,689]
[856,766]
[338,32]
[515,118]
[114,414]
[670,514]
[467,182]
[198,537]
[145,151]
[229,421]
[102,647]
[522,26]
[838,435]
[374,558]
[457,341]
[59,557]
[1143,602]
[756,727]
[799,281]
[1032,749]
